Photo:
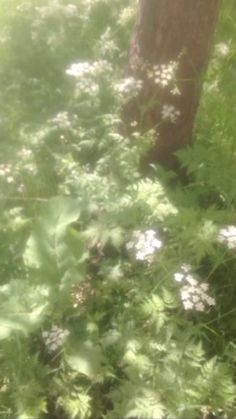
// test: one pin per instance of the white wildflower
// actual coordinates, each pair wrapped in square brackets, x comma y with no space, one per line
[25,153]
[191,280]
[55,338]
[163,74]
[185,294]
[78,69]
[175,91]
[211,301]
[140,255]
[87,74]
[10,179]
[150,233]
[195,298]
[5,169]
[222,49]
[129,85]
[182,275]
[178,277]
[200,306]
[186,268]
[188,305]
[86,86]
[144,245]
[62,120]
[126,15]
[85,68]
[6,173]
[193,293]
[170,113]
[227,235]
[163,82]
[204,286]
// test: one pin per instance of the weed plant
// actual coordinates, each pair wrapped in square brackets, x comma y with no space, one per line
[117,291]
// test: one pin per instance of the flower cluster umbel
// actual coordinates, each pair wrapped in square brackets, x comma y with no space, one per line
[128,85]
[227,235]
[222,49]
[25,153]
[170,113]
[55,338]
[6,172]
[87,75]
[144,244]
[62,120]
[85,68]
[163,74]
[193,293]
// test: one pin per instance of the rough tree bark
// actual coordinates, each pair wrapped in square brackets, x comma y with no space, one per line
[165,31]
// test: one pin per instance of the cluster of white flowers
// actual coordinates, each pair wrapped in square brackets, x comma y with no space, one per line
[62,120]
[107,45]
[170,113]
[68,10]
[128,86]
[126,15]
[25,153]
[222,49]
[85,68]
[145,244]
[164,74]
[193,293]
[227,235]
[175,91]
[6,172]
[87,75]
[86,86]
[55,338]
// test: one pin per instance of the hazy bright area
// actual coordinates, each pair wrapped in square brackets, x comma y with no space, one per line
[117,290]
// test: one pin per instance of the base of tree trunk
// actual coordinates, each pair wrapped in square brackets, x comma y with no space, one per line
[170,31]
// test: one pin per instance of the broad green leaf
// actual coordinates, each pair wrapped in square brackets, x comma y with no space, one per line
[51,247]
[86,359]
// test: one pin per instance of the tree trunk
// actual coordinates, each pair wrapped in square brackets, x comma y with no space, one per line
[170,31]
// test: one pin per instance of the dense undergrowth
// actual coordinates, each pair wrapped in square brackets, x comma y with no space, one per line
[117,291]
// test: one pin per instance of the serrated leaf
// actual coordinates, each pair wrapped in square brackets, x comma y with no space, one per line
[18,312]
[48,247]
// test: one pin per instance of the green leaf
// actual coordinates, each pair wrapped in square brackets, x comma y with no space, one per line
[86,359]
[23,307]
[51,247]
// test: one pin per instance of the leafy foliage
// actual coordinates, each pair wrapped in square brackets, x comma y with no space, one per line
[88,329]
